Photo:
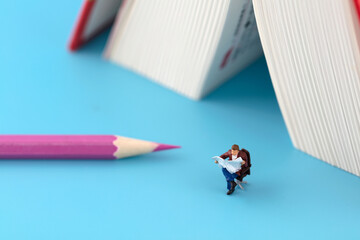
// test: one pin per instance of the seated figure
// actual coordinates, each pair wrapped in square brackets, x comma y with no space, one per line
[235,168]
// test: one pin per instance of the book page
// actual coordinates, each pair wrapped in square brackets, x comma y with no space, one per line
[238,47]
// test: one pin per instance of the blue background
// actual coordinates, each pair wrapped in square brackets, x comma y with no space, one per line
[178,194]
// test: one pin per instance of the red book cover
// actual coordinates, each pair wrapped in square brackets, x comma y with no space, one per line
[357,6]
[77,39]
[95,16]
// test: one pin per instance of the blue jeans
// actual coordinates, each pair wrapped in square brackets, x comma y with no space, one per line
[229,177]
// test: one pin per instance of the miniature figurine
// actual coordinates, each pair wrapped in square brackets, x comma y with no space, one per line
[236,168]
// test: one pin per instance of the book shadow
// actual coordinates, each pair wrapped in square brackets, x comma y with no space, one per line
[96,45]
[251,89]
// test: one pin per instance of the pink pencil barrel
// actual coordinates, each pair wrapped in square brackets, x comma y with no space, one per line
[74,147]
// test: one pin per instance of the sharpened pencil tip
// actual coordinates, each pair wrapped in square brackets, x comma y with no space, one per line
[161,147]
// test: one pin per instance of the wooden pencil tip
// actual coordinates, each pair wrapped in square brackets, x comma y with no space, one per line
[162,146]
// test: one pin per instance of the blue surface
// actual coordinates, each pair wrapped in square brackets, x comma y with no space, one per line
[177,194]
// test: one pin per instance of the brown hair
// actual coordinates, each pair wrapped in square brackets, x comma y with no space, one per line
[235,147]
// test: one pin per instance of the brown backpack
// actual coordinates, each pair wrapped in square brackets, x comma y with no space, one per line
[245,170]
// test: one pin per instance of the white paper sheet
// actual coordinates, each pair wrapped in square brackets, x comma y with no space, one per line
[232,166]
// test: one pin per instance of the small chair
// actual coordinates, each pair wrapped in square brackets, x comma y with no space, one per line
[245,169]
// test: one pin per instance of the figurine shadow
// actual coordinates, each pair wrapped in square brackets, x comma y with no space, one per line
[253,192]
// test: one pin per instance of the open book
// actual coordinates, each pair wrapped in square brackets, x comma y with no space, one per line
[189,46]
[312,50]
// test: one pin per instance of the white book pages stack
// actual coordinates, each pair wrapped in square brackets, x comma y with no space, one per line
[313,55]
[190,46]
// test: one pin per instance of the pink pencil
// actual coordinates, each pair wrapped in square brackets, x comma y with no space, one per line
[74,147]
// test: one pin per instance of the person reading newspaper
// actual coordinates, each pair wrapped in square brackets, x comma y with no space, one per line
[231,167]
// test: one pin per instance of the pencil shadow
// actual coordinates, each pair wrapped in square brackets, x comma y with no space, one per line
[84,162]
